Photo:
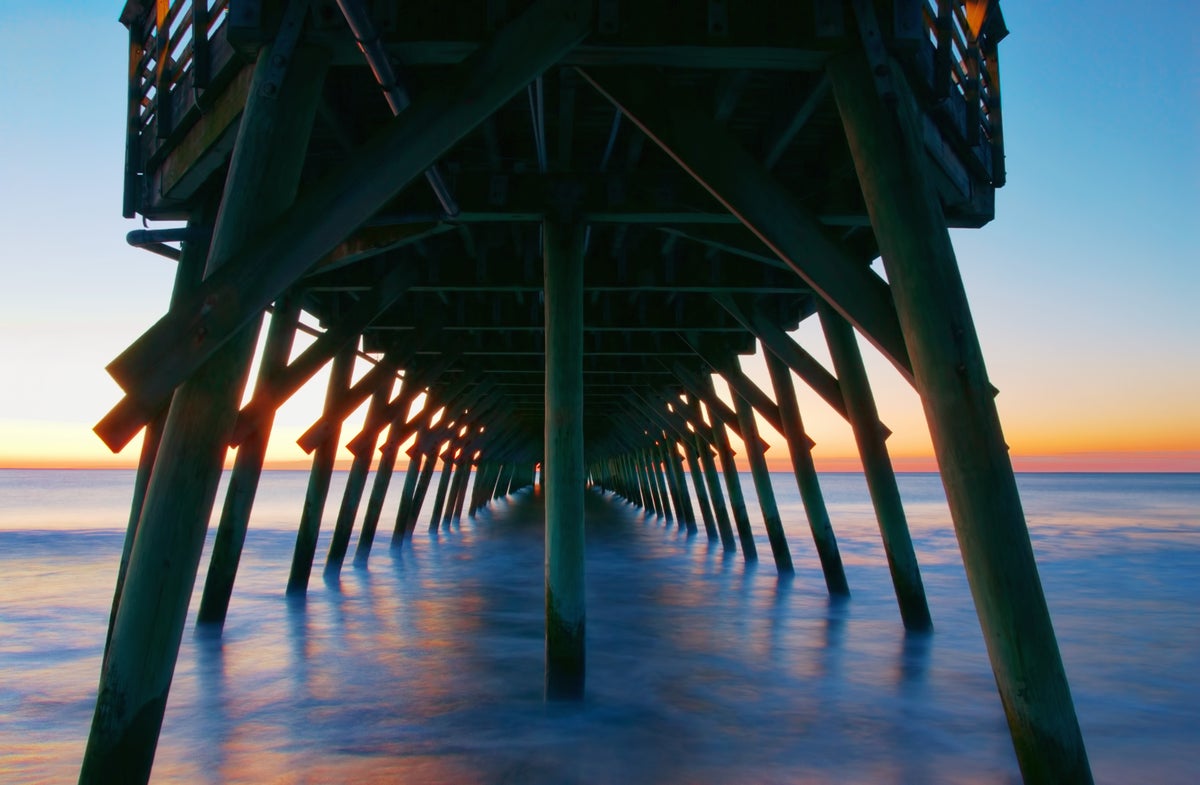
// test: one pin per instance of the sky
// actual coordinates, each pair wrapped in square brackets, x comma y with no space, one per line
[1084,289]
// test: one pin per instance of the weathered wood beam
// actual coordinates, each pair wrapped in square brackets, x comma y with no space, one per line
[877,468]
[779,343]
[885,142]
[439,498]
[381,377]
[737,501]
[243,480]
[701,387]
[340,374]
[706,509]
[407,494]
[371,241]
[800,452]
[720,509]
[341,334]
[188,273]
[761,477]
[379,488]
[356,483]
[725,364]
[564,462]
[179,342]
[746,188]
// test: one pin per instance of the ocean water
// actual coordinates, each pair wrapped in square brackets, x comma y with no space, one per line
[426,667]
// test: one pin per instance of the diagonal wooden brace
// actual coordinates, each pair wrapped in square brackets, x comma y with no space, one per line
[712,156]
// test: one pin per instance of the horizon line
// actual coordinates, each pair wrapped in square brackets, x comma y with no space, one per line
[1097,462]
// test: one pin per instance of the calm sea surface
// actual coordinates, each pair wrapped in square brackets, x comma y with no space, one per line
[427,666]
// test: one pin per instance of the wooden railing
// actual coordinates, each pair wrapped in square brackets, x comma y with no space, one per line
[177,47]
[964,65]
[170,49]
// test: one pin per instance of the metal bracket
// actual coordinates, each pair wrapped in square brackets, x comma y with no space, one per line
[877,54]
[283,46]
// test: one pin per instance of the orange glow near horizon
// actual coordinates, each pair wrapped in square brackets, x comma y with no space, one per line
[1099,435]
[62,445]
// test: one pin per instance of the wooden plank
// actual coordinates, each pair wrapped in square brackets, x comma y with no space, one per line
[203,149]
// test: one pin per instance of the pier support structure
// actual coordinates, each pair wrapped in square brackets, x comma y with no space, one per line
[762,484]
[877,466]
[324,455]
[884,130]
[356,480]
[190,270]
[565,470]
[243,479]
[136,677]
[737,502]
[800,451]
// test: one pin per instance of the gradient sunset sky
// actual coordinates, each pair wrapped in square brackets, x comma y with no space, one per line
[1085,289]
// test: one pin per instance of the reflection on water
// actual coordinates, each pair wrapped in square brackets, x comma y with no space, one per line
[427,666]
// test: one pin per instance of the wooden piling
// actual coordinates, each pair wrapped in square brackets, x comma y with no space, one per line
[462,476]
[663,458]
[379,489]
[469,471]
[640,498]
[136,676]
[660,481]
[318,479]
[188,274]
[877,467]
[762,485]
[685,499]
[244,478]
[649,488]
[886,143]
[800,451]
[398,410]
[407,493]
[439,498]
[502,481]
[356,482]
[564,464]
[737,502]
[706,511]
[712,479]
[480,489]
[428,466]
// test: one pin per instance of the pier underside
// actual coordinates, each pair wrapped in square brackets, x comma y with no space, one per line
[546,227]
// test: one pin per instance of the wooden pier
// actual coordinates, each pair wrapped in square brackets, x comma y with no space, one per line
[551,224]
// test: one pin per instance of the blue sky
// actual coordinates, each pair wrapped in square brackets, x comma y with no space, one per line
[1084,288]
